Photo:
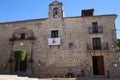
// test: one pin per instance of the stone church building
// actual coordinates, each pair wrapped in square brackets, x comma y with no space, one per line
[55,44]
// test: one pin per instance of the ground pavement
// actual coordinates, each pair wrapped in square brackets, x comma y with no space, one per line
[15,77]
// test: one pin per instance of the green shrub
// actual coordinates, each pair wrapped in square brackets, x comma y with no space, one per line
[20,55]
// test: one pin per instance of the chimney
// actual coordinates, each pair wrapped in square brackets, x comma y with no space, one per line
[88,12]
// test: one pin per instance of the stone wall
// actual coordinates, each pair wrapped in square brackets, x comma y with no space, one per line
[57,59]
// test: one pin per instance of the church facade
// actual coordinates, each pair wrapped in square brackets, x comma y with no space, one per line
[55,44]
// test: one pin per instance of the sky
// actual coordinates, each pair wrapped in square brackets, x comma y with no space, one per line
[17,10]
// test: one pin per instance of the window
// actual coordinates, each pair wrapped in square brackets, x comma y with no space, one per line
[95,27]
[55,13]
[96,43]
[54,34]
[22,36]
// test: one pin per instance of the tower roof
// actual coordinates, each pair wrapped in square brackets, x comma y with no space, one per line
[54,3]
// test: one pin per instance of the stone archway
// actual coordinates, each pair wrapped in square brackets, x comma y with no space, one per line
[23,38]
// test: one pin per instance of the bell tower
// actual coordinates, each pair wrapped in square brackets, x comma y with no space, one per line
[55,10]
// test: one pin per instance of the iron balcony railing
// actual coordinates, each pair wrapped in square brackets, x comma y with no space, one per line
[95,31]
[103,46]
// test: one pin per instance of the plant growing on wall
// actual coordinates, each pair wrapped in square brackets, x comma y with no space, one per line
[118,44]
[19,56]
[118,48]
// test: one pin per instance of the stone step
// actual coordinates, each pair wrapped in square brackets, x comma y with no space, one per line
[58,79]
[22,78]
[8,77]
[14,77]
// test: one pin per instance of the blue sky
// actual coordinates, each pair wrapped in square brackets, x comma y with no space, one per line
[15,10]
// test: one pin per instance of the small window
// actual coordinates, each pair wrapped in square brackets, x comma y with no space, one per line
[54,34]
[95,27]
[22,36]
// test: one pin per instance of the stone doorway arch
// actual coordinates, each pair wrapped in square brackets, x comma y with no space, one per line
[23,38]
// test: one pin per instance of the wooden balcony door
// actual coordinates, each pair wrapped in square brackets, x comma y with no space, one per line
[96,43]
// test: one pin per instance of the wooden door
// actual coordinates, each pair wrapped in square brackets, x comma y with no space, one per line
[98,65]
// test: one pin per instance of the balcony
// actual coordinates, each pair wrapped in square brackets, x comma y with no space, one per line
[99,30]
[103,46]
[54,41]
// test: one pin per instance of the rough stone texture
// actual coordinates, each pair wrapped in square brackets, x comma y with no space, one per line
[57,59]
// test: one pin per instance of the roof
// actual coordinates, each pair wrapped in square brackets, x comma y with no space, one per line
[44,19]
